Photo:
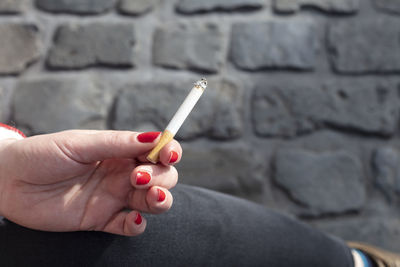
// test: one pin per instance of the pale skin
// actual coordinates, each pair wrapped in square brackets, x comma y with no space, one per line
[83,180]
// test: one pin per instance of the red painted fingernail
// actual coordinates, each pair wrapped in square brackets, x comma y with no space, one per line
[173,157]
[161,195]
[138,219]
[148,137]
[142,178]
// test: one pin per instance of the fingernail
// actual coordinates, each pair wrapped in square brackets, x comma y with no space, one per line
[138,219]
[173,157]
[161,195]
[148,137]
[142,178]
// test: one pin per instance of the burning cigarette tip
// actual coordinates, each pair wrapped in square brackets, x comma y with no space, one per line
[201,83]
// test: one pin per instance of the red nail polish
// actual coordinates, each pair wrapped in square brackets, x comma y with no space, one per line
[173,157]
[138,219]
[148,137]
[142,178]
[161,195]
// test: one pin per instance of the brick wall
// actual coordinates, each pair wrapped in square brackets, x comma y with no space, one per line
[302,111]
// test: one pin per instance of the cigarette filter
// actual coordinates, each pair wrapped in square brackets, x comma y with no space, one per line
[178,119]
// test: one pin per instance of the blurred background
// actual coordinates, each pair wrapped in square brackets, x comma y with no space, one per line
[301,114]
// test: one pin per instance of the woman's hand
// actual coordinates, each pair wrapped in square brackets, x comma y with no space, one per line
[85,180]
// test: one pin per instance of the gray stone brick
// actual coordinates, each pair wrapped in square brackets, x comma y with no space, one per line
[228,118]
[136,7]
[316,179]
[298,107]
[12,6]
[76,6]
[383,232]
[275,114]
[390,6]
[195,6]
[290,45]
[159,101]
[363,106]
[44,105]
[231,169]
[196,48]
[157,104]
[81,46]
[330,6]
[365,46]
[19,46]
[386,165]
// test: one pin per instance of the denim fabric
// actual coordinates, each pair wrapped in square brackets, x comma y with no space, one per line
[203,228]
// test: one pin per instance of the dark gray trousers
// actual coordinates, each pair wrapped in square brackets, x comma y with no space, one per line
[203,228]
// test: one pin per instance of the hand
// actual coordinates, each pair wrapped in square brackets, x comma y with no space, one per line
[85,180]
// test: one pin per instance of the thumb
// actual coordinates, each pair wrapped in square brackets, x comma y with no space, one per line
[91,146]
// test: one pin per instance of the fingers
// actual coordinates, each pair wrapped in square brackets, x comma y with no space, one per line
[170,154]
[156,200]
[91,146]
[126,223]
[152,183]
[131,223]
[146,176]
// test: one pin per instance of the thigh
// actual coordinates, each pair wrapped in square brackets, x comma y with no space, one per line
[203,228]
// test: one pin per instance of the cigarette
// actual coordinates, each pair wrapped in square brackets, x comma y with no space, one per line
[178,119]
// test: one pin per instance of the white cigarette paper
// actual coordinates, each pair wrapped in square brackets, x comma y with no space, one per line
[178,119]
